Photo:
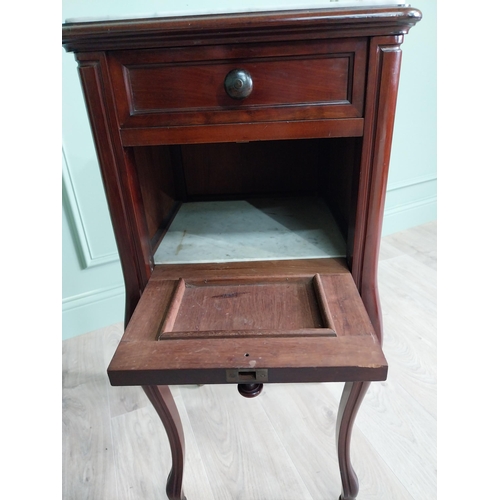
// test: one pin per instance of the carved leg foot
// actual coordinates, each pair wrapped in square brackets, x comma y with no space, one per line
[349,404]
[164,404]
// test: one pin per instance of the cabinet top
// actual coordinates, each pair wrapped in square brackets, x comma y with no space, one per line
[77,11]
[258,21]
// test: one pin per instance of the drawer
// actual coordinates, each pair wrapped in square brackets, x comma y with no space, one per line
[313,80]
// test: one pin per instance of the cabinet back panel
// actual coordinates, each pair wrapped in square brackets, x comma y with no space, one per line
[253,168]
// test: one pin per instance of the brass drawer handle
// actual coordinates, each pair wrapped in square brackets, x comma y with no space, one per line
[238,84]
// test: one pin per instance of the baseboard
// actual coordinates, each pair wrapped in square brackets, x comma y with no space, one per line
[92,310]
[408,215]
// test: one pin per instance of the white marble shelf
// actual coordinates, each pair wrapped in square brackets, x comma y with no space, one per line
[260,229]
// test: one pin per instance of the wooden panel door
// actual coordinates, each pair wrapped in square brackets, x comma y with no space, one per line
[300,320]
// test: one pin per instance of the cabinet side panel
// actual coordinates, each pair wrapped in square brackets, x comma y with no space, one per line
[383,79]
[339,171]
[122,191]
[156,178]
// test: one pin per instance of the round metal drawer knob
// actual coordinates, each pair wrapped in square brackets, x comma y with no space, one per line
[238,84]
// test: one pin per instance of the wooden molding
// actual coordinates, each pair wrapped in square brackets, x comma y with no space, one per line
[238,28]
[80,232]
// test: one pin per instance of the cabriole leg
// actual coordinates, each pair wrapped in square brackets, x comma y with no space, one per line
[164,404]
[352,397]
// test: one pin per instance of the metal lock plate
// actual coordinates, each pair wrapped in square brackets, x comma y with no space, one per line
[247,375]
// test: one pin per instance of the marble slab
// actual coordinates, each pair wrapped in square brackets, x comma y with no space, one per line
[109,10]
[260,229]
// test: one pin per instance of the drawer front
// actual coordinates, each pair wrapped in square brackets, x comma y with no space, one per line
[293,81]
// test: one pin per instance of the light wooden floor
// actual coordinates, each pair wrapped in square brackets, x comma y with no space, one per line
[280,445]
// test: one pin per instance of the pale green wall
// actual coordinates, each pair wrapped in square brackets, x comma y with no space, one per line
[92,283]
[93,294]
[412,186]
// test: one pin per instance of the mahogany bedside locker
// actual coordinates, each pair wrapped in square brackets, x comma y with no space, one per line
[245,158]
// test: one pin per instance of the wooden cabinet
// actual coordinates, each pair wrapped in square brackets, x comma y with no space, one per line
[245,159]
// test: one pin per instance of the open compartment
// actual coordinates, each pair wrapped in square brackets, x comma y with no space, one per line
[260,200]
